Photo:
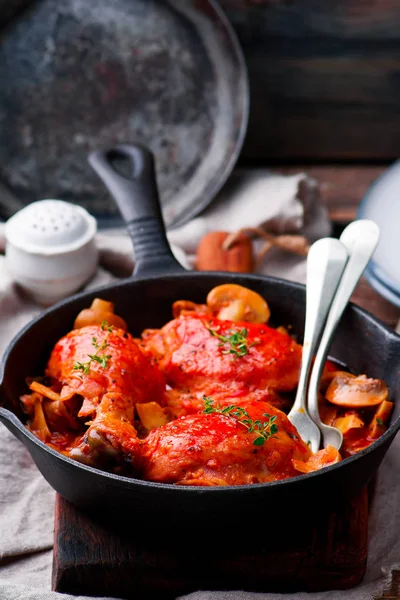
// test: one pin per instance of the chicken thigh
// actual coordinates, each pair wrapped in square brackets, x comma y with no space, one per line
[203,356]
[105,367]
[220,449]
[111,442]
[94,360]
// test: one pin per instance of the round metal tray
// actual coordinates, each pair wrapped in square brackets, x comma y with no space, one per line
[81,75]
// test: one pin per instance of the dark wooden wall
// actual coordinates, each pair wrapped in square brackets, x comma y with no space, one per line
[325,77]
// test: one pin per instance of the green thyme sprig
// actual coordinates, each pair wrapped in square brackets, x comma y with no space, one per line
[237,341]
[101,359]
[264,430]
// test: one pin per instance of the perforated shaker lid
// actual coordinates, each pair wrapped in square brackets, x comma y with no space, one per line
[50,227]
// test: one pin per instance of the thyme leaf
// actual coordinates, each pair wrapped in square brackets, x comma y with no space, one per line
[237,341]
[106,327]
[84,367]
[264,430]
[101,359]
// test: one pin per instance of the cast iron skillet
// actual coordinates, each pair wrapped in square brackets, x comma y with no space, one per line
[362,342]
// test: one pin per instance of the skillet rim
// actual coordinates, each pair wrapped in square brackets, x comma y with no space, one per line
[116,479]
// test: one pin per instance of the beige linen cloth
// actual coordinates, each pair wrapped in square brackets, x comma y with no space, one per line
[281,204]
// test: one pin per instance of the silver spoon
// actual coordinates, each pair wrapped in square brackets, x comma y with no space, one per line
[326,261]
[360,239]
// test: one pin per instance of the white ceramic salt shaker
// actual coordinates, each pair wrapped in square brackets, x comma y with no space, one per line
[50,249]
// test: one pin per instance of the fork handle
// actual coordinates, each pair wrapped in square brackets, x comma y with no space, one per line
[325,264]
[360,239]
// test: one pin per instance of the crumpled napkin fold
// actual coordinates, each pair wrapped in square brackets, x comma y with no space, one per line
[281,204]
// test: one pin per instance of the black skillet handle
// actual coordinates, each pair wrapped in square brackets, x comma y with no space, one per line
[138,201]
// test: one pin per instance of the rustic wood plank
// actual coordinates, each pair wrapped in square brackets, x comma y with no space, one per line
[342,187]
[325,551]
[324,77]
[393,591]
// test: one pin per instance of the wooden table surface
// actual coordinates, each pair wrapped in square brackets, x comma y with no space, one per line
[324,77]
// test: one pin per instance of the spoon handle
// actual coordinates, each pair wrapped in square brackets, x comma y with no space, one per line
[325,264]
[360,239]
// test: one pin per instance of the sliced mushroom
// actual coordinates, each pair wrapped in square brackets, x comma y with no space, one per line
[323,458]
[348,421]
[327,412]
[45,391]
[38,425]
[100,311]
[184,307]
[378,424]
[62,415]
[152,415]
[356,392]
[328,374]
[283,330]
[237,303]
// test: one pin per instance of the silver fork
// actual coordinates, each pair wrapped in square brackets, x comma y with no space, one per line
[326,262]
[360,239]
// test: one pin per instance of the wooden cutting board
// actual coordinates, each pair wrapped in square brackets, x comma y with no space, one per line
[326,552]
